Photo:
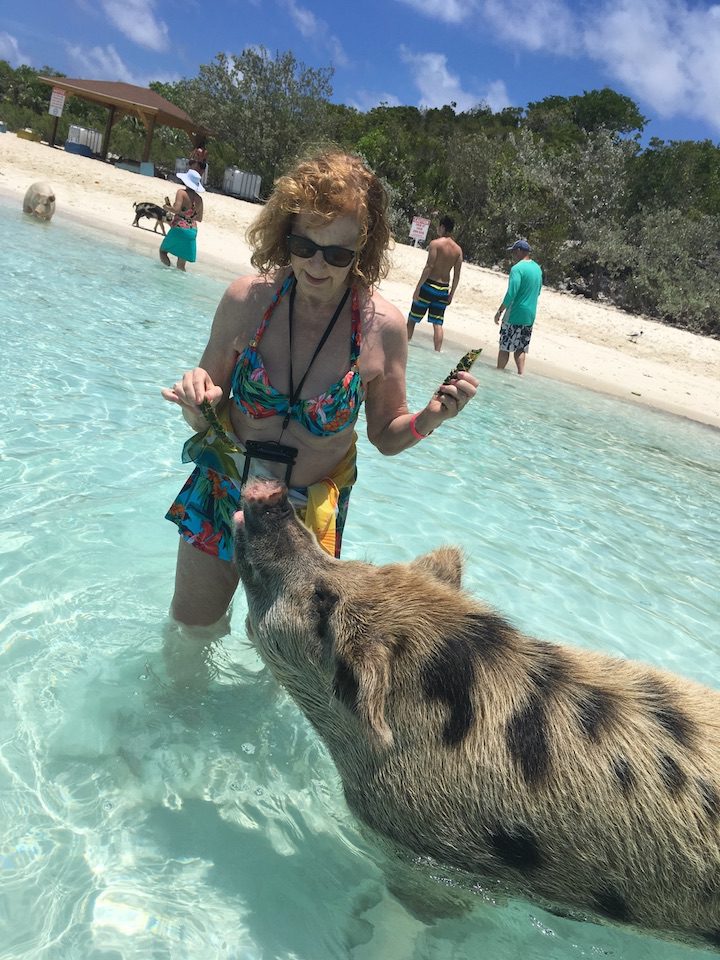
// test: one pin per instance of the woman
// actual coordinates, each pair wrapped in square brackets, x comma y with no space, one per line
[199,151]
[187,210]
[292,355]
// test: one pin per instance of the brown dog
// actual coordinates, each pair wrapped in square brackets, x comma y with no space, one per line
[571,778]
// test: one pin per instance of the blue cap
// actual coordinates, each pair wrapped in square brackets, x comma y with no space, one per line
[520,245]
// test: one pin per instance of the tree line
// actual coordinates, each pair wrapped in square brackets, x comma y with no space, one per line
[608,218]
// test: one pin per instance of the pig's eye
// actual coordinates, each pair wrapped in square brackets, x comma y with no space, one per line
[323,604]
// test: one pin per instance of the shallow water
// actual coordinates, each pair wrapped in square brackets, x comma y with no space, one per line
[137,821]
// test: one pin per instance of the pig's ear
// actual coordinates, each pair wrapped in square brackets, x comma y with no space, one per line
[445,564]
[362,683]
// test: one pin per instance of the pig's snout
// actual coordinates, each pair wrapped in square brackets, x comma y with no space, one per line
[264,507]
[258,493]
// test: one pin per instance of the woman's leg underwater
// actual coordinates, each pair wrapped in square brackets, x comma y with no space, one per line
[204,586]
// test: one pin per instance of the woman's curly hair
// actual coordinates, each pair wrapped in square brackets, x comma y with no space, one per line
[325,185]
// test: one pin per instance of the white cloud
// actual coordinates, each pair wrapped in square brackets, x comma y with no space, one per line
[137,21]
[496,96]
[100,63]
[10,51]
[364,100]
[450,11]
[540,25]
[313,28]
[104,63]
[666,52]
[438,86]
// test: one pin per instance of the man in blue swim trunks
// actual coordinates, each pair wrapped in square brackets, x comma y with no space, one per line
[519,306]
[433,292]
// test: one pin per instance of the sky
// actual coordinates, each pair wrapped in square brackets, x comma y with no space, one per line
[664,54]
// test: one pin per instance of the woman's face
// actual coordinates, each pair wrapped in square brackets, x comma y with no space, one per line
[316,278]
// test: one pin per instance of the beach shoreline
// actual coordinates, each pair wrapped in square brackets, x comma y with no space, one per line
[575,341]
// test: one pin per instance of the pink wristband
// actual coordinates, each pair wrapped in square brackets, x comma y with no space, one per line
[414,430]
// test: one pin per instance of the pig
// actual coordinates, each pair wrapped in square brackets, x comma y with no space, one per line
[585,783]
[153,212]
[39,201]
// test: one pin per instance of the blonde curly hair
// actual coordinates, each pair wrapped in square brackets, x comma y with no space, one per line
[325,185]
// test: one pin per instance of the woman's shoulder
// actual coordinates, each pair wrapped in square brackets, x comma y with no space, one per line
[379,314]
[242,306]
[253,285]
[251,290]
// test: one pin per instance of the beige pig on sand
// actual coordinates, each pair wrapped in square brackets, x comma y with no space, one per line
[39,201]
[585,783]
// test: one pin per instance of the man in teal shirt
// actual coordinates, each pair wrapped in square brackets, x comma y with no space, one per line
[519,306]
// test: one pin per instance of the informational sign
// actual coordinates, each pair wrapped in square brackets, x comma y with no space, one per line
[419,228]
[57,102]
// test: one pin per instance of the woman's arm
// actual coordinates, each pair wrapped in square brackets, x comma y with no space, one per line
[390,426]
[210,380]
[177,205]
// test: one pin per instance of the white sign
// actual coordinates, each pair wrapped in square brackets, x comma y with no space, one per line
[419,228]
[57,102]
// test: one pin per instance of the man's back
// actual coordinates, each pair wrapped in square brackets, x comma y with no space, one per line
[523,292]
[447,253]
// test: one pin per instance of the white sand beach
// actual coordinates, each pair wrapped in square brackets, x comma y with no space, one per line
[574,339]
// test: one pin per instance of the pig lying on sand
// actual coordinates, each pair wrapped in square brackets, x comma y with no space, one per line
[575,779]
[39,201]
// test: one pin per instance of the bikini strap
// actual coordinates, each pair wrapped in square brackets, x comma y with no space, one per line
[277,297]
[356,327]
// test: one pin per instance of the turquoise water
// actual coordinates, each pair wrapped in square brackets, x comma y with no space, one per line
[137,821]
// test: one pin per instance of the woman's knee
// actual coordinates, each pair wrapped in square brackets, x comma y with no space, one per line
[204,587]
[192,611]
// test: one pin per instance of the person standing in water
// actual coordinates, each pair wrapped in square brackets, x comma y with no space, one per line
[519,306]
[187,211]
[294,353]
[433,292]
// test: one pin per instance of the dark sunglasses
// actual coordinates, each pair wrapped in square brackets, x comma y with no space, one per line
[305,248]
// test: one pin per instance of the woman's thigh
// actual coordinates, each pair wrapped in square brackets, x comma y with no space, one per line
[204,586]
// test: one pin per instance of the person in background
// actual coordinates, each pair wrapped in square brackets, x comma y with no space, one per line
[294,352]
[199,152]
[187,210]
[519,306]
[433,292]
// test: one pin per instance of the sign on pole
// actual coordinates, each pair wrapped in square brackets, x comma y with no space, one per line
[57,102]
[419,228]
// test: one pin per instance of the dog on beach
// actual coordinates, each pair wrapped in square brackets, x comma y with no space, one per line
[153,212]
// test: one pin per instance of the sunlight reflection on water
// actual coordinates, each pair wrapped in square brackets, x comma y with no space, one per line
[149,822]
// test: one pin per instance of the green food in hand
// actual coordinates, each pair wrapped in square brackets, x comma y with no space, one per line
[464,363]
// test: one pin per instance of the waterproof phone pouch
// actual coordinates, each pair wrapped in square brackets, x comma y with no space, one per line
[271,452]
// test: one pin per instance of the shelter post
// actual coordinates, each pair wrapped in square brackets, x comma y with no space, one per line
[108,130]
[150,124]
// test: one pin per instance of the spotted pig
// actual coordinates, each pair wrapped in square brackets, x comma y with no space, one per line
[583,782]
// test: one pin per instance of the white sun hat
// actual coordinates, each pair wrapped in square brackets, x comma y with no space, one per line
[193,180]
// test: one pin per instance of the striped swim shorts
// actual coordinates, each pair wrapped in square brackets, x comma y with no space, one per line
[432,300]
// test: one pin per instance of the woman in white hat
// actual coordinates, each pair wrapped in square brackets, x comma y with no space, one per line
[187,211]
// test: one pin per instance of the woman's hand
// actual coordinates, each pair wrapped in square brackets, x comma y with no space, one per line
[450,398]
[195,386]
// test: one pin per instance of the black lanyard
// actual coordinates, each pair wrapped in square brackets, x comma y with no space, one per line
[295,392]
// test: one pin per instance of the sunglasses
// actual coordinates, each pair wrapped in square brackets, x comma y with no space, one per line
[305,248]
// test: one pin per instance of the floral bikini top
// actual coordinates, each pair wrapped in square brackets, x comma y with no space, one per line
[330,412]
[185,218]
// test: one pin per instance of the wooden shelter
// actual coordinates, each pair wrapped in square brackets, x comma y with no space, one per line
[125,98]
